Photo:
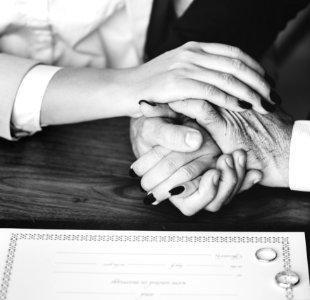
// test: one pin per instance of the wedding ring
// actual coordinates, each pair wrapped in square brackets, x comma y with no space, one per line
[287,279]
[266,254]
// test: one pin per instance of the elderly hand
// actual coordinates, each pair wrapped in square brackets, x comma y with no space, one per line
[265,138]
[216,187]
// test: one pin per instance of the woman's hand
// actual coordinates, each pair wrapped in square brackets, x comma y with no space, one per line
[162,169]
[215,188]
[220,74]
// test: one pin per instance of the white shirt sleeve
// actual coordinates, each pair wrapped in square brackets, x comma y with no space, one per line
[299,162]
[27,107]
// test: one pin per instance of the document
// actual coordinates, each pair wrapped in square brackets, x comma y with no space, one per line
[140,265]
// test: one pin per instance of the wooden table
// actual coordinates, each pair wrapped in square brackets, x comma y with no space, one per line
[77,177]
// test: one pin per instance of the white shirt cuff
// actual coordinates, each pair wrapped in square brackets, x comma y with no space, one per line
[299,163]
[28,101]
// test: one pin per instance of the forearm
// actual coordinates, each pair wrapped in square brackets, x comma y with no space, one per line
[84,94]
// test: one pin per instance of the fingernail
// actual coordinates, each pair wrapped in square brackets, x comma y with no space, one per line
[149,199]
[268,106]
[270,80]
[216,179]
[229,162]
[177,190]
[275,97]
[193,139]
[244,105]
[132,173]
[241,161]
[147,102]
[256,180]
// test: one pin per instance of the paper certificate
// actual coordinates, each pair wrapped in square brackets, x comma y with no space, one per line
[93,265]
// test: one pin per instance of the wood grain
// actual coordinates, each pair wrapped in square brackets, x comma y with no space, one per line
[77,177]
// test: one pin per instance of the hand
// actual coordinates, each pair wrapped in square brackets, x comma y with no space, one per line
[162,169]
[145,133]
[221,74]
[217,186]
[265,138]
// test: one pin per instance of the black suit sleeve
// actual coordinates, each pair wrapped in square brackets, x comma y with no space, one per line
[251,25]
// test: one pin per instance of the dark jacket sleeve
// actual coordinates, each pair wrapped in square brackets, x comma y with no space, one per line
[251,25]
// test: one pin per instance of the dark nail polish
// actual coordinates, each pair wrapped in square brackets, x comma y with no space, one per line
[274,96]
[268,106]
[149,199]
[244,105]
[177,190]
[132,173]
[270,80]
[147,102]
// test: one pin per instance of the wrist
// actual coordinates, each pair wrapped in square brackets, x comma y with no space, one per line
[123,90]
[277,171]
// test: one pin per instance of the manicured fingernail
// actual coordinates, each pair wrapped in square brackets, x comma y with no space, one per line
[147,102]
[270,80]
[268,106]
[229,162]
[132,173]
[275,97]
[241,161]
[177,190]
[216,179]
[244,105]
[149,199]
[193,139]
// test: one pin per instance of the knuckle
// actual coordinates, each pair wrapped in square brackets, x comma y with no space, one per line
[190,45]
[237,64]
[210,90]
[227,100]
[204,112]
[185,55]
[228,78]
[236,51]
[171,165]
[189,172]
[158,153]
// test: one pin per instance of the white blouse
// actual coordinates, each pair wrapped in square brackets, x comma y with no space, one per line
[84,33]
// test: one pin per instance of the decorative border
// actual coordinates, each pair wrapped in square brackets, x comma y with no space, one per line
[15,237]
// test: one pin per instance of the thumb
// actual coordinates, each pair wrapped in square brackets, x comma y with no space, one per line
[179,138]
[160,131]
[201,111]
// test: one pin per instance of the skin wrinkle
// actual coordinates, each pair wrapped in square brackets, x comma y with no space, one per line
[266,139]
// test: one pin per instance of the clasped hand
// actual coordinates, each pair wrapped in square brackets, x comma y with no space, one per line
[202,164]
